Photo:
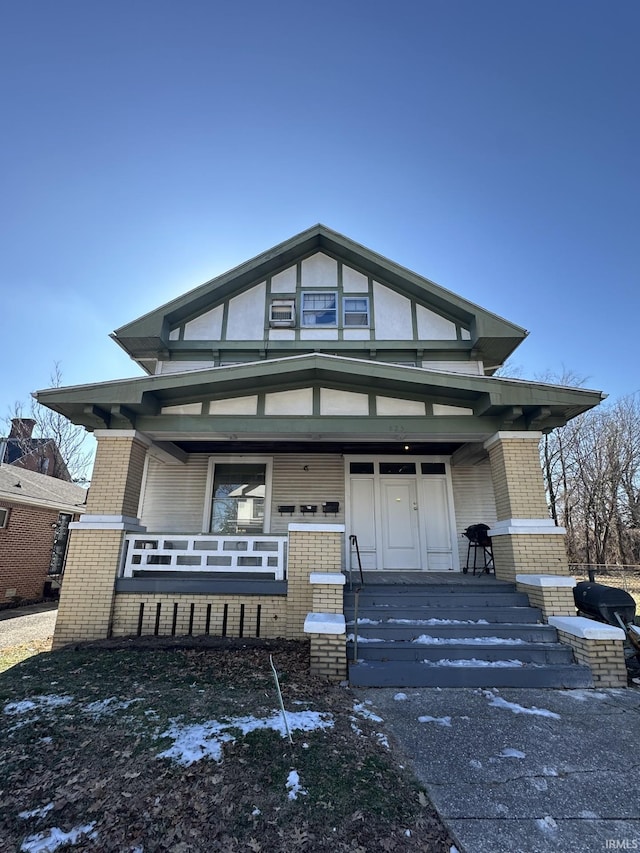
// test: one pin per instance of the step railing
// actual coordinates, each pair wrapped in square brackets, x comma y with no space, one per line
[353,543]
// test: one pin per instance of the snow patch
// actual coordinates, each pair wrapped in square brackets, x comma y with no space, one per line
[294,787]
[441,721]
[362,711]
[400,697]
[382,739]
[587,814]
[499,702]
[351,638]
[547,824]
[205,740]
[108,706]
[583,695]
[476,764]
[38,703]
[512,753]
[427,640]
[437,622]
[51,839]
[40,812]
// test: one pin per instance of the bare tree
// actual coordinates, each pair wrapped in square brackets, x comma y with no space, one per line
[56,446]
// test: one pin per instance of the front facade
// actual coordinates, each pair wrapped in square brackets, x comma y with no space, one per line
[317,393]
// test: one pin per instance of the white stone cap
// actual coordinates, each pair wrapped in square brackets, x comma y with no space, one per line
[301,527]
[508,434]
[587,629]
[108,522]
[336,578]
[509,526]
[325,623]
[546,580]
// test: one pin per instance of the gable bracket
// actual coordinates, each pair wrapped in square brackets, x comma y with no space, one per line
[96,416]
[538,416]
[511,414]
[122,418]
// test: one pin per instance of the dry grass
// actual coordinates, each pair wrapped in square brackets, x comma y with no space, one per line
[16,654]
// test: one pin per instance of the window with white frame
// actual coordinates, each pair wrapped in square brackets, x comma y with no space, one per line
[355,310]
[4,517]
[320,309]
[238,498]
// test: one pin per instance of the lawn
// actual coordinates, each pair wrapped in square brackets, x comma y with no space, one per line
[141,747]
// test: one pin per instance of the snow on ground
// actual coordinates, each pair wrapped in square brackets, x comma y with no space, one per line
[441,721]
[51,839]
[351,638]
[400,697]
[583,695]
[40,812]
[38,703]
[382,739]
[499,702]
[294,787]
[361,709]
[472,662]
[108,706]
[547,824]
[467,641]
[193,742]
[512,753]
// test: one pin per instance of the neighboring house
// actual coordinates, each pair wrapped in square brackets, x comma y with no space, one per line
[35,512]
[34,454]
[315,392]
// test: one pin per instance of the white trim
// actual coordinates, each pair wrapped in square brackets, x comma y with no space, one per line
[509,434]
[300,527]
[586,629]
[123,433]
[107,522]
[325,623]
[336,578]
[520,526]
[546,580]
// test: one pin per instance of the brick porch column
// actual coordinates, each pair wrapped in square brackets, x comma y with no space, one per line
[525,540]
[95,542]
[312,548]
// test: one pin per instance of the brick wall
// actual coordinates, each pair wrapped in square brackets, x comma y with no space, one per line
[309,551]
[25,550]
[550,600]
[605,658]
[328,656]
[529,553]
[213,615]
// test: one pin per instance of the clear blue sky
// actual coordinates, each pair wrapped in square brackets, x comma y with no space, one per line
[490,145]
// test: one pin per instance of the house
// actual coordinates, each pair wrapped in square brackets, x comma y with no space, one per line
[42,455]
[35,512]
[314,393]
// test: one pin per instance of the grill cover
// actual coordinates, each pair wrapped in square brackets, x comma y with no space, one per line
[601,602]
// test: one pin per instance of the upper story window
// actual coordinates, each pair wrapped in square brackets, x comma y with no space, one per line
[356,310]
[319,309]
[4,517]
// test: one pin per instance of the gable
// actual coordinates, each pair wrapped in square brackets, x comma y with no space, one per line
[318,291]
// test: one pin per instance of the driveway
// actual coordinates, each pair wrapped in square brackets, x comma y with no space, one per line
[524,771]
[20,625]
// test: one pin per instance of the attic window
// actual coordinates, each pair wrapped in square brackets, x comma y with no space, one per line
[4,517]
[356,310]
[319,309]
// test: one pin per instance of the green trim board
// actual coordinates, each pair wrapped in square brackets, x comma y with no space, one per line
[493,337]
[137,402]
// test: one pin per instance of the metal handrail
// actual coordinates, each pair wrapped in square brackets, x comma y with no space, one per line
[353,542]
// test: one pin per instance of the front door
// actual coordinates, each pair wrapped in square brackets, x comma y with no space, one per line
[400,530]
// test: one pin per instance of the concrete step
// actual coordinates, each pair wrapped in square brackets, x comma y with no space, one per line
[528,632]
[539,653]
[416,613]
[429,598]
[413,674]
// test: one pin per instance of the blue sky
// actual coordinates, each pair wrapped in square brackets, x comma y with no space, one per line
[490,145]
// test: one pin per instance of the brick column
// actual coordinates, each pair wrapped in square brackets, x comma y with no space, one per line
[312,548]
[525,540]
[552,595]
[596,645]
[95,542]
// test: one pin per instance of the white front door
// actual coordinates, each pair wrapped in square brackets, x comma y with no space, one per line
[400,529]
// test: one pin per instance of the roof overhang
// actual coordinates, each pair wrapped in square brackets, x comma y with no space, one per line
[496,403]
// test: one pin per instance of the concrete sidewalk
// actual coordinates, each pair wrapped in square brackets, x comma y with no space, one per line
[524,771]
[25,624]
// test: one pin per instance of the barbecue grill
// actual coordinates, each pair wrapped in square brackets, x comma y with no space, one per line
[480,544]
[613,606]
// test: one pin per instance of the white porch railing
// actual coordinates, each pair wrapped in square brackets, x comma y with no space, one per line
[174,552]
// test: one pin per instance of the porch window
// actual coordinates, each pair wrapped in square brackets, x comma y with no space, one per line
[319,309]
[238,498]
